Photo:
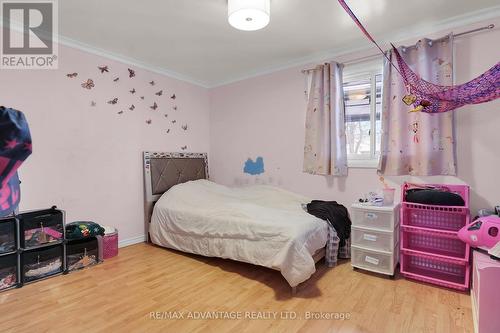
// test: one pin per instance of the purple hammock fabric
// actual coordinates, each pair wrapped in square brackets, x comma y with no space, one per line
[482,89]
[15,147]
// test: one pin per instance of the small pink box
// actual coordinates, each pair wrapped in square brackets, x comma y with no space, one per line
[110,245]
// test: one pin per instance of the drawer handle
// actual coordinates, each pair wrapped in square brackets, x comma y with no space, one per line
[371,216]
[371,260]
[369,237]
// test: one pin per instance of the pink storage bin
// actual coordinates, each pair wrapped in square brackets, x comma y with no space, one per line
[430,249]
[441,243]
[434,217]
[110,245]
[447,273]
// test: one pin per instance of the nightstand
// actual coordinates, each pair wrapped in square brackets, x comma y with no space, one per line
[375,238]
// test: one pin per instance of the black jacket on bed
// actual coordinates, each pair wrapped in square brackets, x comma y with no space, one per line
[335,214]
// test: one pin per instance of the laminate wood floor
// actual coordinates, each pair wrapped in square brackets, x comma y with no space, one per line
[151,289]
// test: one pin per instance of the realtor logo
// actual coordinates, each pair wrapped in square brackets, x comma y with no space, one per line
[29,35]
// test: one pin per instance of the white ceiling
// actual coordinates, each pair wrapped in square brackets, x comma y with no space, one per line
[192,39]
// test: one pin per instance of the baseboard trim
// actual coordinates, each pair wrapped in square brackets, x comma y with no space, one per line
[131,241]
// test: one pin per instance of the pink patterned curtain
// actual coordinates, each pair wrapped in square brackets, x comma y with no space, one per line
[325,150]
[418,143]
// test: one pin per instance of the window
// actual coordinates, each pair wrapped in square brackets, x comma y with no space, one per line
[363,107]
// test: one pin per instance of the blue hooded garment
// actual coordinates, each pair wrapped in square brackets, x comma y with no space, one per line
[15,147]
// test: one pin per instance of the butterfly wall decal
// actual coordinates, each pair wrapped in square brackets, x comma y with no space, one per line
[159,93]
[103,69]
[142,97]
[152,83]
[131,73]
[113,101]
[166,115]
[184,147]
[148,121]
[132,91]
[184,127]
[174,107]
[72,75]
[116,79]
[89,84]
[168,131]
[120,112]
[92,103]
[173,96]
[154,106]
[174,121]
[132,107]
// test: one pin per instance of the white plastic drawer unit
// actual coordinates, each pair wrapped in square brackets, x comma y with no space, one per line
[375,217]
[374,239]
[375,261]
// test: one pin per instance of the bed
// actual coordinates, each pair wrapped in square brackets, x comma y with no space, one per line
[260,225]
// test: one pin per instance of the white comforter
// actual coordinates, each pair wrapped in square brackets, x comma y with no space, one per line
[262,225]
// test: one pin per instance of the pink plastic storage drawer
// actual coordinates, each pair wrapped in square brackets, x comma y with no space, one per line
[441,243]
[447,273]
[434,217]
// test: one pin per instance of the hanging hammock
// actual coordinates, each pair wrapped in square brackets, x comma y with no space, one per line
[433,98]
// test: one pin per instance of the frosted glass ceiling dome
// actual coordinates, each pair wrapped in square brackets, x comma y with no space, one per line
[248,15]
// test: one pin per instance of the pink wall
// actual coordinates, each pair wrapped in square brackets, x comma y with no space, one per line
[264,116]
[88,160]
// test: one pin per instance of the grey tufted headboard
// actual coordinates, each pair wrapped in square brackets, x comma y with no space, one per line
[164,170]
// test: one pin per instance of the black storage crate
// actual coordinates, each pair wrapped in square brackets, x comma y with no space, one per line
[82,253]
[8,271]
[8,235]
[41,227]
[42,262]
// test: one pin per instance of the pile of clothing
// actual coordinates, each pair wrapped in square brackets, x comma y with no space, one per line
[42,269]
[7,278]
[83,229]
[83,244]
[39,236]
[79,261]
[339,228]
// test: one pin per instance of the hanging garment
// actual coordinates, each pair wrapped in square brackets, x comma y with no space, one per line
[325,151]
[15,147]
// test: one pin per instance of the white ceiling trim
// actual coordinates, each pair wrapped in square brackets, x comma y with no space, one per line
[72,43]
[455,22]
[132,62]
[360,45]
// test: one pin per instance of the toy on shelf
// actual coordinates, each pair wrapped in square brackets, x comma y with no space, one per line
[482,233]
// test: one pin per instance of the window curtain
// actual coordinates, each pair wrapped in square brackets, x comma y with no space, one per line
[417,143]
[325,150]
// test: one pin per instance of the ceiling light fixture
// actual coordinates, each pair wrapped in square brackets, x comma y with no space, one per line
[248,15]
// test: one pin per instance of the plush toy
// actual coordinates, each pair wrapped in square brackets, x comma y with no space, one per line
[483,233]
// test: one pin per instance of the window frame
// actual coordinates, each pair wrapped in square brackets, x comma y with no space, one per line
[360,71]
